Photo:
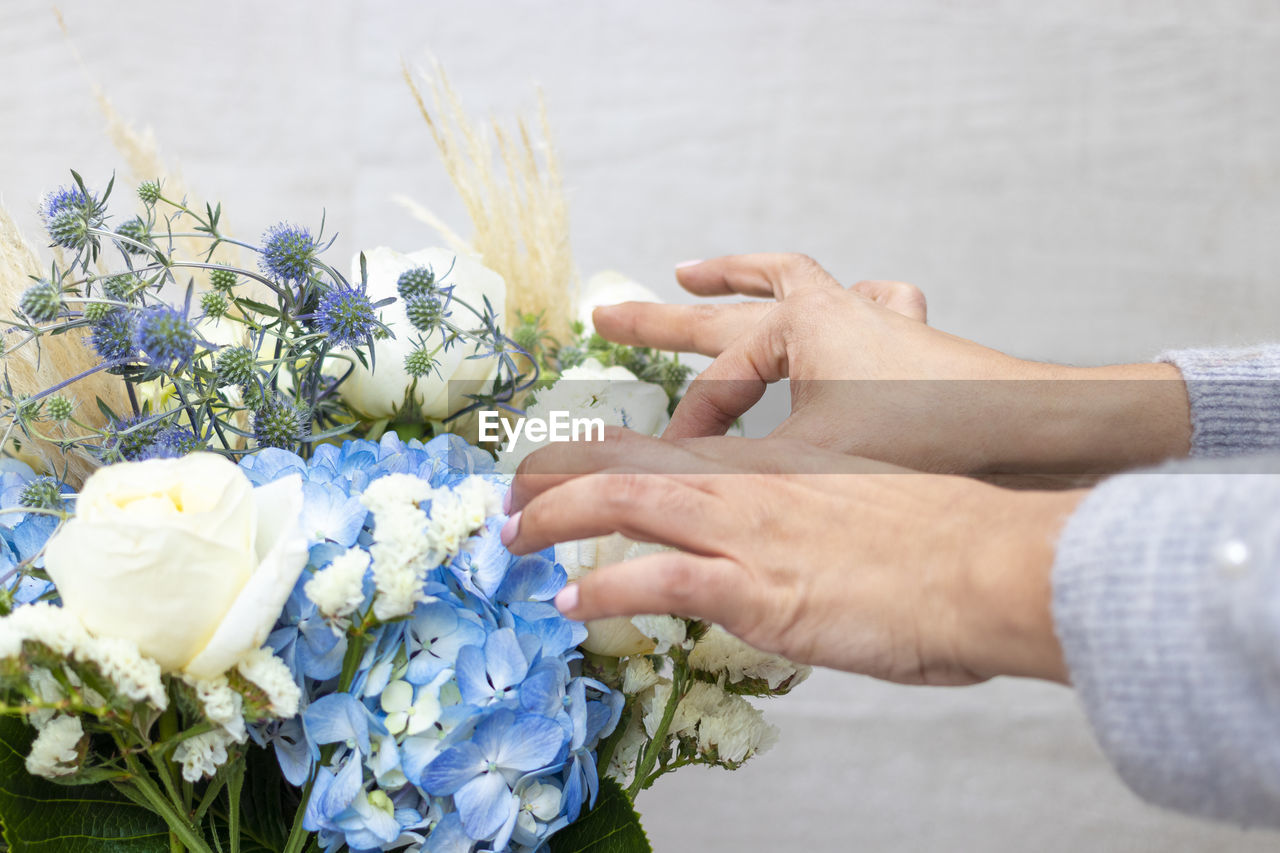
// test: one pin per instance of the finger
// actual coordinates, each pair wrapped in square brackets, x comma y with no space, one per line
[779,456]
[706,329]
[733,383]
[763,275]
[559,462]
[906,299]
[641,506]
[671,582]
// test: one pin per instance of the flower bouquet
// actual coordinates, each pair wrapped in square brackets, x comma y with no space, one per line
[254,593]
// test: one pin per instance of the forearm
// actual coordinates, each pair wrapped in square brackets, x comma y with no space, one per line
[1067,420]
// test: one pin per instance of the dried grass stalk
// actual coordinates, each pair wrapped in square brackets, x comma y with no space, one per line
[30,368]
[515,201]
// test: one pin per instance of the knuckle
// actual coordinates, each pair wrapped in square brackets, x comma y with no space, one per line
[678,579]
[626,489]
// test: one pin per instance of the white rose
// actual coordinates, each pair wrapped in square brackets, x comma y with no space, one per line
[591,390]
[610,288]
[183,557]
[380,392]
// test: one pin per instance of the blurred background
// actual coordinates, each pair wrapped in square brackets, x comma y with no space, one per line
[1087,182]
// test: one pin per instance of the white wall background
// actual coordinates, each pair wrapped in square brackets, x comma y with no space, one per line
[1086,182]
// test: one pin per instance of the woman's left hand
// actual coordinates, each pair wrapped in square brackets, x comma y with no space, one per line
[821,557]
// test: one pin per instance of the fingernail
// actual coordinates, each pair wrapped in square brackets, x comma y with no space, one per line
[567,598]
[510,529]
[684,264]
[506,503]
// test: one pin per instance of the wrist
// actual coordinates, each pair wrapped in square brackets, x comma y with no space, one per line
[1070,420]
[1007,592]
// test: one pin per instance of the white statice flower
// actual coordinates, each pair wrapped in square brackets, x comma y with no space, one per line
[724,655]
[223,706]
[722,722]
[590,390]
[272,675]
[202,755]
[622,764]
[665,631]
[653,705]
[48,691]
[638,675]
[338,588]
[118,659]
[53,626]
[56,749]
[128,670]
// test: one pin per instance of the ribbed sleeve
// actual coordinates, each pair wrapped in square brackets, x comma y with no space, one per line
[1167,604]
[1235,398]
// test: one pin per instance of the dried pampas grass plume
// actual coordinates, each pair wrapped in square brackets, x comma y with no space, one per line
[515,201]
[30,368]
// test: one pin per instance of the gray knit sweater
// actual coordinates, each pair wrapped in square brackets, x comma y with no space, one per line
[1167,602]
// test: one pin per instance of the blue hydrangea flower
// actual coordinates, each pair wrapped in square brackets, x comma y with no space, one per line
[22,535]
[467,724]
[346,315]
[288,252]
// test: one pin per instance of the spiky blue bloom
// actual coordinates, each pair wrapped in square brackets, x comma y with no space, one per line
[170,442]
[69,215]
[467,724]
[278,423]
[347,316]
[114,337]
[165,336]
[288,252]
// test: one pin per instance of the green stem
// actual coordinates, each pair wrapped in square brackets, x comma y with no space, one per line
[179,826]
[234,786]
[644,766]
[297,835]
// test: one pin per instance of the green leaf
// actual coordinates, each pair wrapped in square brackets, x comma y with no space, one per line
[612,826]
[41,817]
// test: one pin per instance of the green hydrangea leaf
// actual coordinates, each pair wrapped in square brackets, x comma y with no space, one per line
[612,826]
[41,817]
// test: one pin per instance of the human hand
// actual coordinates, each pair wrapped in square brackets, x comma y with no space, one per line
[821,557]
[948,404]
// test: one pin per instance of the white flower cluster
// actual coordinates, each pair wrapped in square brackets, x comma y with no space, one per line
[118,660]
[133,676]
[56,750]
[338,588]
[223,705]
[409,541]
[722,654]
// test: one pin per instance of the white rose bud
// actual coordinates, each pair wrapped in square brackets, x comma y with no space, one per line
[380,392]
[181,556]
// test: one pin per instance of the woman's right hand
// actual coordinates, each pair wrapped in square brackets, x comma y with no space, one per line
[869,377]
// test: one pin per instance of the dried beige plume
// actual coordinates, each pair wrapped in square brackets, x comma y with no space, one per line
[515,201]
[30,368]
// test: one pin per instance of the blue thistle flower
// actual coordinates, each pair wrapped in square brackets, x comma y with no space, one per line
[170,443]
[346,315]
[114,337]
[131,438]
[419,281]
[288,252]
[425,312]
[279,423]
[69,214]
[165,336]
[42,493]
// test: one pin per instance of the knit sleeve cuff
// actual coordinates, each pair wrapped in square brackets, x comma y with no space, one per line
[1235,398]
[1167,605]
